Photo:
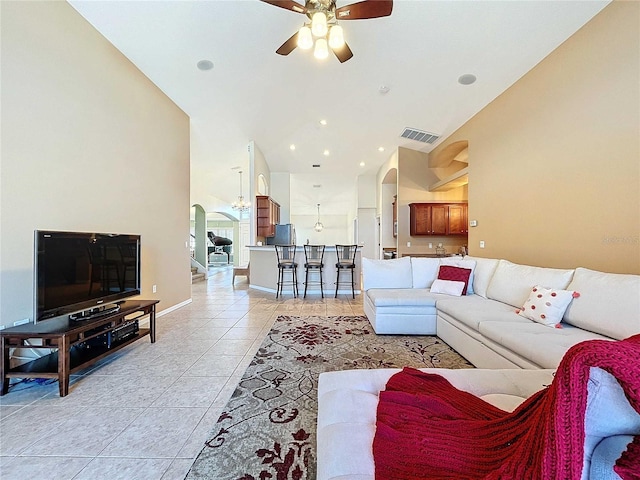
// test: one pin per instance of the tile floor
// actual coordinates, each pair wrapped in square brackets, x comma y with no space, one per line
[145,412]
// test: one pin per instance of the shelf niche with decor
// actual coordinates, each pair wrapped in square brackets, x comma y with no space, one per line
[267,216]
[439,219]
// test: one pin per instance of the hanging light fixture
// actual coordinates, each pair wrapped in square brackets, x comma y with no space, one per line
[318,226]
[336,37]
[319,24]
[321,50]
[321,34]
[305,39]
[240,205]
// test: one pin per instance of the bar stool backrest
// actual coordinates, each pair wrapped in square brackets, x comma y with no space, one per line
[346,254]
[314,254]
[286,254]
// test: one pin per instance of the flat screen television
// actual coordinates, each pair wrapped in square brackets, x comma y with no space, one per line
[83,272]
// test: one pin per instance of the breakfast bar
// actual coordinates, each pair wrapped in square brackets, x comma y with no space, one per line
[264,271]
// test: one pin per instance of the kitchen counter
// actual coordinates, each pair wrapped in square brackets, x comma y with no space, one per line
[264,271]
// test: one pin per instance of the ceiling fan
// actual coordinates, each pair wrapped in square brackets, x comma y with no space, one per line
[323,31]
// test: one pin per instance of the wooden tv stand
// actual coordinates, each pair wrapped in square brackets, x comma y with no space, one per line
[69,337]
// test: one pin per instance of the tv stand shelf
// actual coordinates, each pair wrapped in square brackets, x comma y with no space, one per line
[69,338]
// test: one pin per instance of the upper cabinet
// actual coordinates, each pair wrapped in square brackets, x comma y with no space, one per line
[438,219]
[267,215]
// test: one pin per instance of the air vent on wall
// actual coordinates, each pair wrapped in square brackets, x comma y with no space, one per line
[419,135]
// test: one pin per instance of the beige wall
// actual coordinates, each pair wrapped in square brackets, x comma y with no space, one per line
[88,144]
[554,162]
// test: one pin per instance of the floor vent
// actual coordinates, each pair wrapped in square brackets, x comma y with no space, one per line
[419,135]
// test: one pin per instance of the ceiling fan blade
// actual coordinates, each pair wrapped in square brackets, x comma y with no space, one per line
[287,5]
[289,46]
[365,9]
[343,53]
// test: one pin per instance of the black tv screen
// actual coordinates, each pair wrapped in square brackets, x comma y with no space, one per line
[78,271]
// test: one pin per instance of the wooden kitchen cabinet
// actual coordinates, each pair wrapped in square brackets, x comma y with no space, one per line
[267,215]
[438,219]
[458,222]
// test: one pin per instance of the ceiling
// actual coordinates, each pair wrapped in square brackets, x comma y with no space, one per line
[253,94]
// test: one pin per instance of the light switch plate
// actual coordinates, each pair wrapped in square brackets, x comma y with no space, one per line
[473,223]
[481,243]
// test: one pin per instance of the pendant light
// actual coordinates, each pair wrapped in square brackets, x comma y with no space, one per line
[318,226]
[305,39]
[240,205]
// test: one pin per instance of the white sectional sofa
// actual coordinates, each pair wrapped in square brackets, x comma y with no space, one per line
[484,325]
[515,355]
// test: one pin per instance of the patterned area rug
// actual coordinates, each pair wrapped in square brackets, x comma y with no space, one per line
[268,428]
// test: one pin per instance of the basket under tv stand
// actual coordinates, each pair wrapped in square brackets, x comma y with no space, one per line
[78,343]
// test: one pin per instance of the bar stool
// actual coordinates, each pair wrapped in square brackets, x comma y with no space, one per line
[313,255]
[286,255]
[346,255]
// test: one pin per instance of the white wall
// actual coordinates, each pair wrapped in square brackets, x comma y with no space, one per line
[88,144]
[337,229]
[281,188]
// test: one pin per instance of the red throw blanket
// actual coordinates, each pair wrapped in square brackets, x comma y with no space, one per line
[426,428]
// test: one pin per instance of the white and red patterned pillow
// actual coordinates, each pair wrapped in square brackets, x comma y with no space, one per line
[547,305]
[455,274]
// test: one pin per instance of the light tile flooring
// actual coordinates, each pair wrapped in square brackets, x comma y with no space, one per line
[145,412]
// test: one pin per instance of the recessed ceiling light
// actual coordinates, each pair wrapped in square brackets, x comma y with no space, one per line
[467,79]
[362,164]
[205,65]
[384,89]
[292,147]
[326,153]
[381,149]
[323,122]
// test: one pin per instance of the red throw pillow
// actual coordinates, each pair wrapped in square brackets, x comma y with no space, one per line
[457,274]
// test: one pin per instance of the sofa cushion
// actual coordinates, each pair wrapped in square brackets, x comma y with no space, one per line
[448,287]
[546,305]
[455,274]
[424,271]
[404,297]
[605,456]
[537,343]
[473,310]
[394,273]
[511,283]
[609,303]
[608,412]
[482,274]
[462,263]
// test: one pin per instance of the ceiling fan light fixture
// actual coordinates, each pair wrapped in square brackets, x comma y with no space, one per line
[336,37]
[305,39]
[321,51]
[319,24]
